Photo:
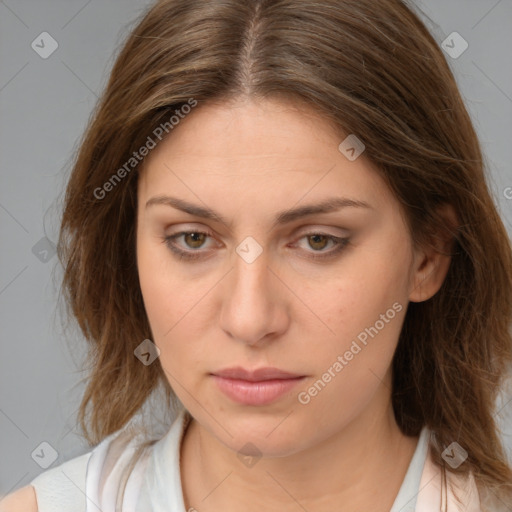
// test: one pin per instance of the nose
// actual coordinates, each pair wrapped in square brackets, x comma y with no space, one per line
[254,308]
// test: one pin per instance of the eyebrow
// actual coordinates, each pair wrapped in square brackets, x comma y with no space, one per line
[329,205]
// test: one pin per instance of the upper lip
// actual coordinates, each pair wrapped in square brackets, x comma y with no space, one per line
[259,374]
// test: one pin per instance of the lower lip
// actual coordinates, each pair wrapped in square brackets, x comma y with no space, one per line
[255,393]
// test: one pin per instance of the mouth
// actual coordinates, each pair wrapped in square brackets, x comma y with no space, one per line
[257,387]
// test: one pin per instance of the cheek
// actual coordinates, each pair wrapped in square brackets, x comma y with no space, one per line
[153,283]
[365,310]
[353,367]
[161,289]
[366,291]
[173,307]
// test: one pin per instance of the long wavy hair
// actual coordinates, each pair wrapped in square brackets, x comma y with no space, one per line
[373,69]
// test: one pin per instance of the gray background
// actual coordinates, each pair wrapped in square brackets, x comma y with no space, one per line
[44,106]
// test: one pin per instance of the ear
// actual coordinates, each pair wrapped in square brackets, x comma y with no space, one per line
[431,263]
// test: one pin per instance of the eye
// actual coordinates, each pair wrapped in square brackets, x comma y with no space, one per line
[196,240]
[318,241]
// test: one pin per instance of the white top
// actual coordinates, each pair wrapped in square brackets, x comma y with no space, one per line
[91,482]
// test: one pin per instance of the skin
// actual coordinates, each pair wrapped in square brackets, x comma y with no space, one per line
[23,500]
[249,160]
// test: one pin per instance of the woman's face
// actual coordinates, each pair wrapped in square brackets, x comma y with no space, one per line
[321,296]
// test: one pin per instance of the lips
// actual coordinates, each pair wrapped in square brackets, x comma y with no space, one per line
[255,387]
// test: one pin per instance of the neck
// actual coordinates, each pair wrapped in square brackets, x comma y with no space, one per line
[361,466]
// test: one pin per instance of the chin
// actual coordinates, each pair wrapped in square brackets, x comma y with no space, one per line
[274,435]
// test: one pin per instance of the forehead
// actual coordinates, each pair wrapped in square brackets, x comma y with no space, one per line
[250,129]
[265,152]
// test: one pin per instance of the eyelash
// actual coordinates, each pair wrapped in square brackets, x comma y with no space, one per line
[340,244]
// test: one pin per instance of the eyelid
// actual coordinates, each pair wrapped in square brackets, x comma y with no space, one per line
[340,242]
[322,230]
[179,233]
[301,231]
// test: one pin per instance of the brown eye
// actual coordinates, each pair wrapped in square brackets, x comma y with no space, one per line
[191,239]
[318,242]
[196,239]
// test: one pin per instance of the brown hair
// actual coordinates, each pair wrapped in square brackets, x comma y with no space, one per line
[373,69]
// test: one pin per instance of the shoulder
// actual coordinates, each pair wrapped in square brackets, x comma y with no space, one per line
[57,487]
[443,488]
[62,487]
[87,480]
[22,500]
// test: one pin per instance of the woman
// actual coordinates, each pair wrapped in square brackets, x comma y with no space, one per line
[279,214]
